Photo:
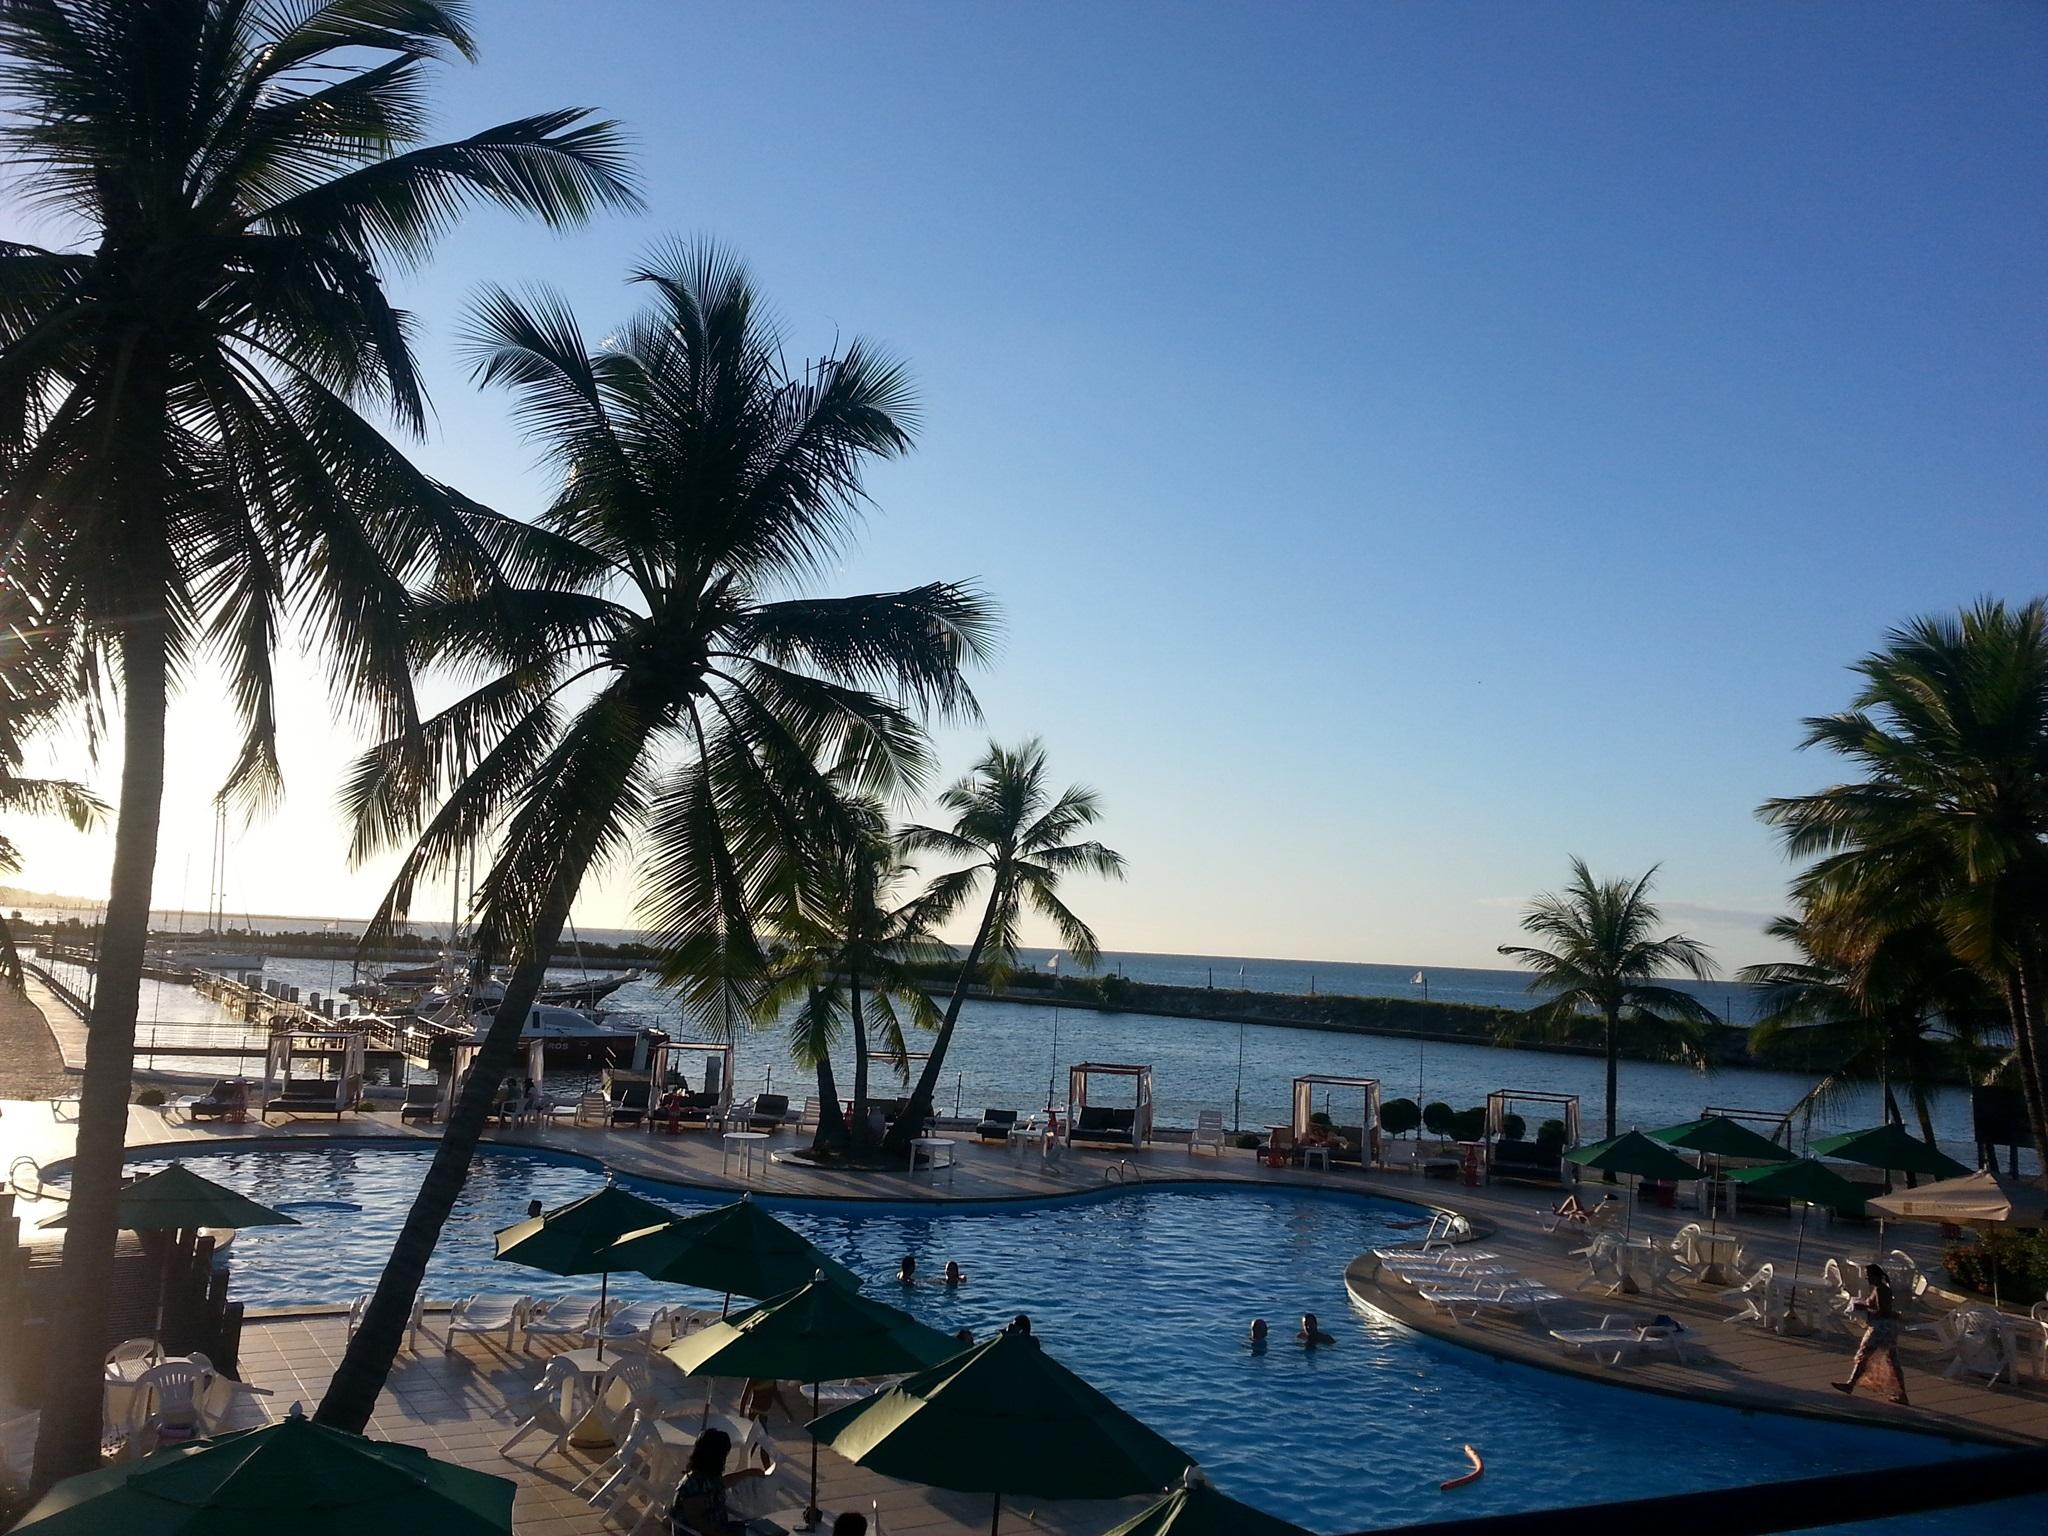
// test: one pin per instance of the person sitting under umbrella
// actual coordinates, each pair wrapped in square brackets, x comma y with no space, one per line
[700,1500]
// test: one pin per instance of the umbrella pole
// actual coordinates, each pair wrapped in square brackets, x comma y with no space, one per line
[995,1519]
[813,1514]
[604,1281]
[1799,1249]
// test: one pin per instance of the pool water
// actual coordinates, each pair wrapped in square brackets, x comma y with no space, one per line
[1147,1294]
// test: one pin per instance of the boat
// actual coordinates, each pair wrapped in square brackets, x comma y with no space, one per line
[569,1036]
[219,962]
[584,995]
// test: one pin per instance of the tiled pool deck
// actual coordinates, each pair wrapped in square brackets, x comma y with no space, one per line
[450,1404]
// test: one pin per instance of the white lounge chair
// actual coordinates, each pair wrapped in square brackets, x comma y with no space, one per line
[567,1317]
[413,1322]
[1626,1339]
[1208,1132]
[1511,1297]
[644,1321]
[593,1109]
[554,1406]
[488,1312]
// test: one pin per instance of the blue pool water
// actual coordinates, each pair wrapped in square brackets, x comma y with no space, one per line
[1147,1294]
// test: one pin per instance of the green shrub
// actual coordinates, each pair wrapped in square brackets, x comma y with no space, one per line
[1245,1141]
[2012,1264]
[1322,1119]
[1550,1138]
[1438,1118]
[1400,1116]
[1513,1127]
[368,1107]
[150,1098]
[1469,1124]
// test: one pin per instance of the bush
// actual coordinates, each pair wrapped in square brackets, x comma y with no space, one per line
[1400,1116]
[1322,1120]
[1513,1127]
[1469,1124]
[2014,1264]
[368,1107]
[150,1098]
[1245,1141]
[1550,1138]
[1438,1118]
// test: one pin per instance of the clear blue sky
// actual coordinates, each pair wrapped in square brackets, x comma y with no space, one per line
[1411,444]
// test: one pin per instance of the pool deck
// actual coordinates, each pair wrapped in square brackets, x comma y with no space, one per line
[449,1404]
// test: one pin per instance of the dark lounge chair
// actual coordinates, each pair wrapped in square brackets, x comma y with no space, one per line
[1526,1161]
[422,1102]
[1104,1126]
[629,1103]
[996,1125]
[227,1099]
[768,1112]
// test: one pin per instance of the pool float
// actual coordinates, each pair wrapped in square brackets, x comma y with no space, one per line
[1478,1467]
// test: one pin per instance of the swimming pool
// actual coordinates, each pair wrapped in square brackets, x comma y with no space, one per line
[1147,1293]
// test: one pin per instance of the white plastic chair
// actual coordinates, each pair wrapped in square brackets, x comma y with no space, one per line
[413,1321]
[648,1384]
[1977,1344]
[487,1312]
[1603,1262]
[645,1485]
[554,1406]
[166,1397]
[1683,1246]
[1208,1132]
[1755,1294]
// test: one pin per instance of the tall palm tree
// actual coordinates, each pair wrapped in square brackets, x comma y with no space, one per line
[1018,835]
[1895,1009]
[36,682]
[1602,963]
[846,967]
[184,458]
[655,702]
[1948,824]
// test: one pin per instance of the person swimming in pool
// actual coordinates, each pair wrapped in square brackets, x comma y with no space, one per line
[1260,1333]
[964,1337]
[1312,1332]
[1021,1323]
[955,1275]
[907,1270]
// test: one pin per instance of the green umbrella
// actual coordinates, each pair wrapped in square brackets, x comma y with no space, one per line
[175,1198]
[1633,1152]
[1197,1509]
[738,1249]
[578,1238]
[1889,1147]
[1003,1417]
[1806,1181]
[294,1476]
[1719,1137]
[818,1332]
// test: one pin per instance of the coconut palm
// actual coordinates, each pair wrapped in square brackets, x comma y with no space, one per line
[184,458]
[1601,964]
[1949,824]
[1018,835]
[36,680]
[846,967]
[1894,1009]
[657,703]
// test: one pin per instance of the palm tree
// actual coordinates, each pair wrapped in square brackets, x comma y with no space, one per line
[1895,1009]
[1015,832]
[1949,824]
[182,448]
[654,701]
[846,964]
[1602,962]
[36,681]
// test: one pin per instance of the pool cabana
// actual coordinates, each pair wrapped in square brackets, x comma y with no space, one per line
[1101,1124]
[1348,1142]
[1520,1157]
[462,1057]
[288,1089]
[676,1103]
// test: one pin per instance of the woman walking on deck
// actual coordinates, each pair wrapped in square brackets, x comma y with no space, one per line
[1876,1367]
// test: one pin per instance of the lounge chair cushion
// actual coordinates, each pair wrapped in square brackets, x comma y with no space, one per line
[1099,1123]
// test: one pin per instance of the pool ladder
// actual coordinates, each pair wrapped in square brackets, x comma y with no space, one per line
[1121,1172]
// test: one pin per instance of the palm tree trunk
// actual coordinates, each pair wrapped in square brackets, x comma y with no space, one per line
[2023,1010]
[911,1122]
[69,1439]
[831,1123]
[1613,1042]
[352,1394]
[857,1011]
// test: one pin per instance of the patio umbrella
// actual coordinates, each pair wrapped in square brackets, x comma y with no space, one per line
[1892,1148]
[294,1476]
[578,1238]
[1719,1137]
[818,1332]
[1634,1153]
[175,1199]
[1808,1182]
[1197,1509]
[1003,1417]
[738,1249]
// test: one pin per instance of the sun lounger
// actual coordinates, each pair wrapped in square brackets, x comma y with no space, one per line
[643,1320]
[1628,1340]
[1208,1132]
[422,1102]
[487,1312]
[361,1305]
[1512,1297]
[227,1099]
[567,1317]
[767,1112]
[996,1125]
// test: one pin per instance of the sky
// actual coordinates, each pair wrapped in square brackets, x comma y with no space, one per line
[1410,445]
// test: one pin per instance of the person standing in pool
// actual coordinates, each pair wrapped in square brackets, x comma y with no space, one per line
[906,1272]
[1876,1367]
[955,1275]
[1259,1335]
[1311,1332]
